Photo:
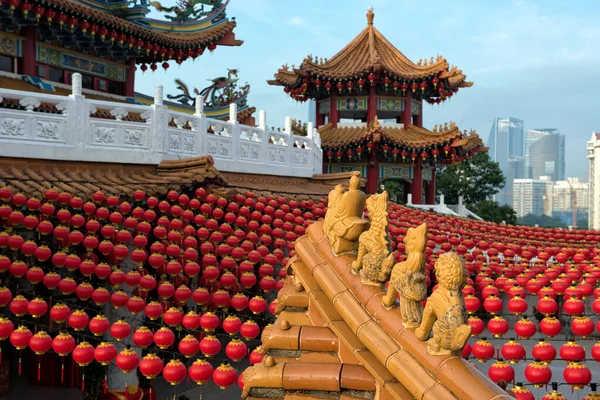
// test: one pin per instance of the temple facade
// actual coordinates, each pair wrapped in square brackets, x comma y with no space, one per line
[370,99]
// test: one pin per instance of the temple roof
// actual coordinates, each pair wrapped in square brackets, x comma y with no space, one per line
[333,331]
[371,51]
[412,137]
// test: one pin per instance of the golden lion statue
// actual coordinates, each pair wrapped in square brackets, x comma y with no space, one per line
[445,311]
[374,261]
[343,222]
[408,279]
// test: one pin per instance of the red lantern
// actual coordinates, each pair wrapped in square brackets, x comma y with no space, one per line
[547,306]
[517,305]
[524,328]
[544,351]
[120,330]
[210,346]
[482,350]
[200,371]
[209,322]
[257,305]
[224,376]
[99,325]
[513,351]
[477,325]
[83,354]
[63,344]
[501,371]
[550,326]
[236,350]
[164,338]
[492,304]
[153,310]
[127,360]
[249,330]
[572,351]
[173,317]
[256,356]
[174,372]
[538,373]
[143,337]
[577,375]
[60,312]
[37,307]
[151,366]
[582,326]
[19,305]
[574,306]
[239,301]
[40,343]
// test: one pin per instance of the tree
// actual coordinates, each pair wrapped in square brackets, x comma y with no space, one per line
[541,220]
[493,212]
[477,179]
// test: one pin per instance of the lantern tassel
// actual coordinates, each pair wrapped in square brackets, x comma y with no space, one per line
[39,368]
[105,383]
[20,363]
[0,355]
[62,371]
[83,381]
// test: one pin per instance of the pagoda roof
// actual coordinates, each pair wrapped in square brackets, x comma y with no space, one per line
[412,136]
[183,34]
[370,51]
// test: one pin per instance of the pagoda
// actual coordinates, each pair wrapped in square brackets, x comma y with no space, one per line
[369,112]
[45,42]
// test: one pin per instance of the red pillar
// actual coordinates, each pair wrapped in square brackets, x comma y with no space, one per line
[430,193]
[129,78]
[320,120]
[407,114]
[372,105]
[373,171]
[419,119]
[334,114]
[28,64]
[417,183]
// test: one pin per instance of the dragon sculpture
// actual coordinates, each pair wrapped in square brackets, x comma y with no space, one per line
[222,91]
[186,10]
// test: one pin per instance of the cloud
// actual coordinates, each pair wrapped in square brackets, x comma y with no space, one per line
[295,21]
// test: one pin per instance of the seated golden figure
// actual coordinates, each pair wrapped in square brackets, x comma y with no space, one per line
[445,311]
[375,261]
[343,222]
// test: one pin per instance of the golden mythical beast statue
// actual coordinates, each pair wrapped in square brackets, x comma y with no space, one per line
[374,261]
[445,312]
[408,278]
[343,222]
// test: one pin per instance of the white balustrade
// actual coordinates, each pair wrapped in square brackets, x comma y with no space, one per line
[103,131]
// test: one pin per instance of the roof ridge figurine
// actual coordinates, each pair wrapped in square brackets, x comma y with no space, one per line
[343,222]
[374,260]
[408,278]
[445,311]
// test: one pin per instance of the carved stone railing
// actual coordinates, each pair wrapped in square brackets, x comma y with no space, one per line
[40,125]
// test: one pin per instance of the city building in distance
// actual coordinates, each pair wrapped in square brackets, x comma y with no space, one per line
[528,196]
[545,154]
[567,200]
[506,146]
[593,147]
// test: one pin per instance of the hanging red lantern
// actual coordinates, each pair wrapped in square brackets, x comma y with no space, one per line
[517,305]
[249,330]
[143,337]
[63,344]
[577,375]
[127,360]
[210,346]
[164,338]
[544,351]
[200,371]
[174,372]
[120,330]
[571,351]
[550,326]
[493,304]
[257,304]
[37,307]
[83,354]
[40,343]
[209,322]
[232,324]
[188,346]
[574,306]
[582,326]
[173,317]
[513,351]
[19,305]
[99,325]
[236,350]
[477,325]
[525,328]
[501,371]
[482,350]
[521,392]
[547,306]
[538,373]
[224,376]
[151,366]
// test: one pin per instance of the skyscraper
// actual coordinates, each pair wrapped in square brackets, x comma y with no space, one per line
[593,147]
[545,154]
[528,196]
[506,146]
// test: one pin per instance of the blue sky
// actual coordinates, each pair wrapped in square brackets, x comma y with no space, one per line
[534,60]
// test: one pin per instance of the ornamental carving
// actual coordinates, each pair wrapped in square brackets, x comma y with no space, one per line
[104,135]
[174,142]
[213,147]
[119,113]
[188,144]
[445,312]
[343,224]
[374,261]
[48,130]
[12,127]
[408,278]
[180,122]
[134,137]
[188,10]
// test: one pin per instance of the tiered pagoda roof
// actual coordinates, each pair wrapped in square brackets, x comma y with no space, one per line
[411,137]
[369,52]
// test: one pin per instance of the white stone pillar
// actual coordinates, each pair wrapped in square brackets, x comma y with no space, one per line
[76,85]
[233,111]
[309,130]
[409,199]
[262,119]
[158,95]
[199,105]
[288,125]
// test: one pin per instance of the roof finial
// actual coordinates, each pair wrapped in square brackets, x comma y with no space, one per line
[370,15]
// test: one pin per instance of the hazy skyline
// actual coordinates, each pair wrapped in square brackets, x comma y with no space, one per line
[532,60]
